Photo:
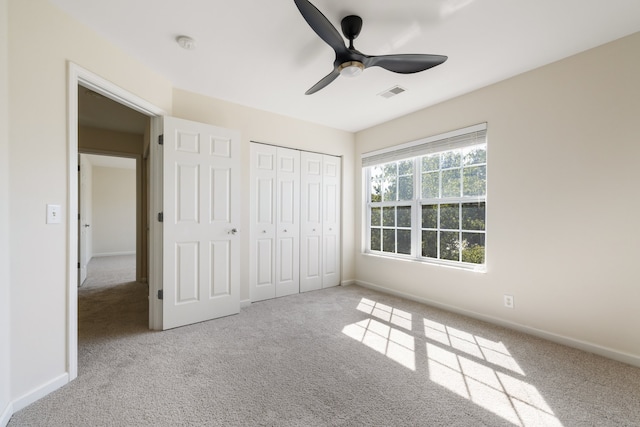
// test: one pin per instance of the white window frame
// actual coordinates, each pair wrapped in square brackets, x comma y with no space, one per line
[461,138]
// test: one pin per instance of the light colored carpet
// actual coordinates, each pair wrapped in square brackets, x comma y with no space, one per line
[345,356]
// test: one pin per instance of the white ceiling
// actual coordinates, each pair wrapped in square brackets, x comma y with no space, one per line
[263,54]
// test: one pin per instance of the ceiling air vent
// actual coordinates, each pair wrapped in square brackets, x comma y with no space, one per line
[392,92]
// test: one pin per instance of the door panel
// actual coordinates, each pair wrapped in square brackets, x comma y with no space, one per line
[84,204]
[288,224]
[331,221]
[311,222]
[201,205]
[221,265]
[262,270]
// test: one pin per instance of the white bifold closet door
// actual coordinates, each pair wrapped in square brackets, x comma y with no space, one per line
[275,222]
[319,221]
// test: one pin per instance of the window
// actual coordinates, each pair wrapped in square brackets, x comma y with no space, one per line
[426,200]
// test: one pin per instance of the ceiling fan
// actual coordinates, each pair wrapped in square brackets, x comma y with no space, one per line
[351,62]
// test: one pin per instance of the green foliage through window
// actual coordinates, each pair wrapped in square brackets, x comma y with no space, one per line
[431,206]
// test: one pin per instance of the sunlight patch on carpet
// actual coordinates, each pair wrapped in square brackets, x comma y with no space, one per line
[481,379]
[385,338]
[475,368]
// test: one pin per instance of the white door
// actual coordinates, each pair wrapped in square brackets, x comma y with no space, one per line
[263,222]
[311,222]
[84,221]
[331,221]
[201,214]
[287,222]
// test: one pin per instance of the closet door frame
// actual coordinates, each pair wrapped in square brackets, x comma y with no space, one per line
[295,216]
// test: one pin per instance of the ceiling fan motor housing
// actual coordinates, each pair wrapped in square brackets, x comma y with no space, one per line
[351,26]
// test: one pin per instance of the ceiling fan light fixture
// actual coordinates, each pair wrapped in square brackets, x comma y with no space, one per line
[351,68]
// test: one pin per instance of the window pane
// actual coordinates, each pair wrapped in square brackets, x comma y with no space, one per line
[430,216]
[474,155]
[451,159]
[449,245]
[390,170]
[388,240]
[473,216]
[451,183]
[404,216]
[376,221]
[475,181]
[389,179]
[375,239]
[473,248]
[376,184]
[431,163]
[430,187]
[376,191]
[430,244]
[390,186]
[404,242]
[450,216]
[405,167]
[406,188]
[389,217]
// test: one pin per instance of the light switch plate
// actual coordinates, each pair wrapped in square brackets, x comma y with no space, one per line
[54,214]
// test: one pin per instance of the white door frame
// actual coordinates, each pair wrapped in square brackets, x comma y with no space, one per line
[80,76]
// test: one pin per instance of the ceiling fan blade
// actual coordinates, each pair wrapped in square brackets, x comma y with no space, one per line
[324,82]
[321,25]
[405,63]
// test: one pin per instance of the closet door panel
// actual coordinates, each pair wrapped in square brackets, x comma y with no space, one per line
[288,222]
[262,270]
[331,213]
[311,222]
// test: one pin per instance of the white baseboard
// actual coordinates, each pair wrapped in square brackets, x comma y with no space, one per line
[348,282]
[245,303]
[40,392]
[114,254]
[560,339]
[6,415]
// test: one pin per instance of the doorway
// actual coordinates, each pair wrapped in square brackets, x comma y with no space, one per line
[113,293]
[79,81]
[108,229]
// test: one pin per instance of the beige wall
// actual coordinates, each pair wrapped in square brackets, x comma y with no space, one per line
[260,126]
[114,210]
[562,211]
[5,392]
[41,42]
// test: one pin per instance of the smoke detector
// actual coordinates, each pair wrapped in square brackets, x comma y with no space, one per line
[186,42]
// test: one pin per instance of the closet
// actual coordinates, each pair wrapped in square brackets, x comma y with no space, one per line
[295,221]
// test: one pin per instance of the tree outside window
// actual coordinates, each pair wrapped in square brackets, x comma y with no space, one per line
[430,207]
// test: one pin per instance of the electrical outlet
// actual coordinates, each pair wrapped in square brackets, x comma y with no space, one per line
[508,301]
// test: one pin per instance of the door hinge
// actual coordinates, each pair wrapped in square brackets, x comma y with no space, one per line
[78,168]
[78,216]
[160,294]
[160,216]
[161,139]
[78,265]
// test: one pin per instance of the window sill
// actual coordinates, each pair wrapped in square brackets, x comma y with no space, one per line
[476,268]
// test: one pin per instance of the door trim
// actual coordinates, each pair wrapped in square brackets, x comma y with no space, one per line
[80,76]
